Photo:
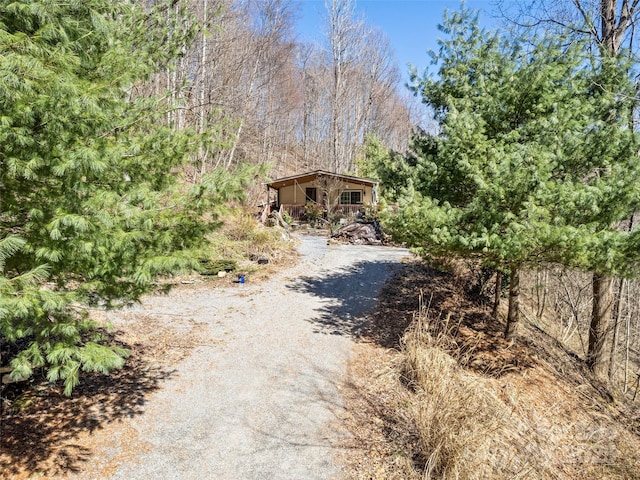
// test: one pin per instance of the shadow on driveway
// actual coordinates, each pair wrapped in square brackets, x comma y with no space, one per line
[351,293]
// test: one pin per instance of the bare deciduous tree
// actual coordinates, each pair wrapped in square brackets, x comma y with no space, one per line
[277,101]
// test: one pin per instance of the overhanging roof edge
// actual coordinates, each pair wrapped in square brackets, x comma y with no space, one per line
[281,182]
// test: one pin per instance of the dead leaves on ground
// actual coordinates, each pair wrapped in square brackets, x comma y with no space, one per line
[51,435]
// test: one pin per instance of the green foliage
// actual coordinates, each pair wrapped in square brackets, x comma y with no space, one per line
[369,213]
[374,153]
[314,212]
[92,205]
[213,266]
[287,218]
[392,170]
[535,160]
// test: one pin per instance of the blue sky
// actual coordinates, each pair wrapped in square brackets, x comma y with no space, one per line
[410,25]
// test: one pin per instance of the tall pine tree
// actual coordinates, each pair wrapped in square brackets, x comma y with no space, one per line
[92,207]
[534,160]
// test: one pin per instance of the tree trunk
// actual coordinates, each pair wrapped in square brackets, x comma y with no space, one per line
[513,317]
[203,84]
[542,280]
[599,328]
[236,140]
[601,313]
[496,298]
[616,317]
[616,328]
[627,344]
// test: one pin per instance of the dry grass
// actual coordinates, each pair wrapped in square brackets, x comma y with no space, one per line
[458,418]
[244,239]
[383,441]
[457,402]
[259,251]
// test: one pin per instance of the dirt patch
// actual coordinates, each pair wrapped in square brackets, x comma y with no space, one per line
[451,299]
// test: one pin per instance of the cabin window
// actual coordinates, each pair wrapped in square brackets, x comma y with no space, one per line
[311,194]
[351,197]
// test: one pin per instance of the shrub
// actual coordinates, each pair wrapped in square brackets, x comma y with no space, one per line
[314,212]
[240,227]
[213,266]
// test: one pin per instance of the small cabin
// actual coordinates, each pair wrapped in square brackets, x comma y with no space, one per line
[339,193]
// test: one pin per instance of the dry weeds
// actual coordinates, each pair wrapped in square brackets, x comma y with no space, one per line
[383,438]
[439,394]
[459,418]
[244,239]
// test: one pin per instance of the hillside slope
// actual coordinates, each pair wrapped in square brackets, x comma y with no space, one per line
[435,392]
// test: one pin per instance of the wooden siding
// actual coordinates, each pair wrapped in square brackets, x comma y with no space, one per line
[297,212]
[295,194]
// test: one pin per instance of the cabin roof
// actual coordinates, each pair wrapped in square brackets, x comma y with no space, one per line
[309,176]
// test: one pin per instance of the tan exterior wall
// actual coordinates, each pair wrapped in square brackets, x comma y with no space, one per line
[295,194]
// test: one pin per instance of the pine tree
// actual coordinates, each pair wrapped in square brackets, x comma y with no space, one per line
[534,161]
[392,170]
[92,206]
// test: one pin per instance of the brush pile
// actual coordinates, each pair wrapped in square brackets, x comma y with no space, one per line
[360,233]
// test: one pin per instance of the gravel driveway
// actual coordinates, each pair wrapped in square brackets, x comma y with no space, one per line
[258,399]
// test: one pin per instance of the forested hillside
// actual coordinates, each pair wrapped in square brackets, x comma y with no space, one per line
[275,99]
[534,169]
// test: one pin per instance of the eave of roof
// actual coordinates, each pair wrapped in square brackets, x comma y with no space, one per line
[309,176]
